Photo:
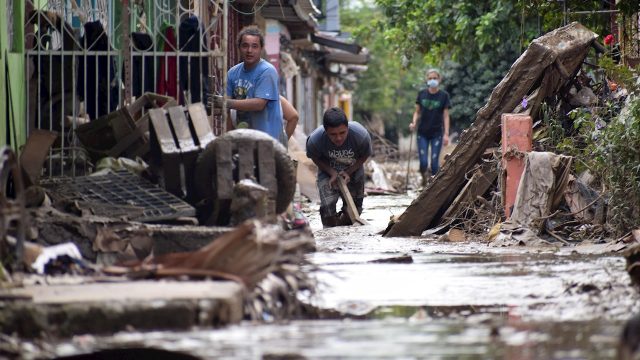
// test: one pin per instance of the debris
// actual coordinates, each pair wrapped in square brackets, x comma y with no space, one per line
[175,147]
[454,235]
[544,62]
[249,201]
[495,231]
[45,262]
[632,254]
[379,178]
[34,154]
[242,154]
[542,187]
[121,132]
[404,259]
[515,235]
[582,200]
[137,166]
[461,210]
[119,194]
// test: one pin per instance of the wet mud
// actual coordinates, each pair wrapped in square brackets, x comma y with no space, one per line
[450,301]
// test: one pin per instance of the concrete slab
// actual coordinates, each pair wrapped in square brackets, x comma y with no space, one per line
[64,310]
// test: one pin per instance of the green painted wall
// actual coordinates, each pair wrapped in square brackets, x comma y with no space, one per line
[12,77]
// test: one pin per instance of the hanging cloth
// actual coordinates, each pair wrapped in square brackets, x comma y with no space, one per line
[194,70]
[99,89]
[168,69]
[143,65]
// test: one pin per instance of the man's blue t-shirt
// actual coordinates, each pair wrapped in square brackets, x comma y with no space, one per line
[259,82]
[357,145]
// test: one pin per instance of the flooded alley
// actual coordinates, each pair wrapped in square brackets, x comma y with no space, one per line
[451,301]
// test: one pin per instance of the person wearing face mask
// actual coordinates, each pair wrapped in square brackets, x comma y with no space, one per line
[431,120]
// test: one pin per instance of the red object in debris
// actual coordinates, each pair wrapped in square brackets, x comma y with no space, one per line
[609,39]
[516,141]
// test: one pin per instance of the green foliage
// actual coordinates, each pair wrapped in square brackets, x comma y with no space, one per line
[469,83]
[620,74]
[606,141]
[616,159]
[388,87]
[473,42]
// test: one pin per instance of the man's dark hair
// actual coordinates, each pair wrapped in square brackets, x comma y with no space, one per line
[334,117]
[250,30]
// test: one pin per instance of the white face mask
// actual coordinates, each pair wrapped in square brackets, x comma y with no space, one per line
[432,83]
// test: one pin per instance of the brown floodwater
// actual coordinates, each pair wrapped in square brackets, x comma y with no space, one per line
[452,301]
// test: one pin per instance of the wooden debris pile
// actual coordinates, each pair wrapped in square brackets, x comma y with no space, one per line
[467,192]
[267,260]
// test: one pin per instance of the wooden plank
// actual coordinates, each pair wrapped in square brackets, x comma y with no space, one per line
[162,132]
[570,45]
[181,128]
[352,209]
[479,183]
[224,170]
[267,166]
[246,161]
[200,123]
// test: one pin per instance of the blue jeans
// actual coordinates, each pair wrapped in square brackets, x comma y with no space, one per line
[423,146]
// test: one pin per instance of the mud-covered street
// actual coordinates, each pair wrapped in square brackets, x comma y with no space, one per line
[436,300]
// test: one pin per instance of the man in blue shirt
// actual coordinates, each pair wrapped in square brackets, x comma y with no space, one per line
[339,148]
[252,86]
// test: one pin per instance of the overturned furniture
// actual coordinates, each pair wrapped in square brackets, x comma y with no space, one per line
[177,137]
[122,132]
[235,156]
[545,67]
[203,169]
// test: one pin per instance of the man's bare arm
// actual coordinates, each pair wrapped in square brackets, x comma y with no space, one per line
[253,104]
[290,115]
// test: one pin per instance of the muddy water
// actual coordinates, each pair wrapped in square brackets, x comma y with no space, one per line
[453,301]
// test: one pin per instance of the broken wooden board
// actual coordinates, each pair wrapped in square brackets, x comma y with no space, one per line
[483,177]
[567,46]
[352,210]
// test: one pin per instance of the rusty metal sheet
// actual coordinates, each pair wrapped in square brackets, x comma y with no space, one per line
[35,152]
[200,123]
[162,132]
[181,128]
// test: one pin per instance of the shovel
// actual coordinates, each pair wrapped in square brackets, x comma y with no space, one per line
[352,210]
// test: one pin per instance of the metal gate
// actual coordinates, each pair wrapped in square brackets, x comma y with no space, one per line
[87,58]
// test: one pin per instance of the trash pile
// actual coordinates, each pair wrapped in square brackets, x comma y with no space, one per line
[555,204]
[150,192]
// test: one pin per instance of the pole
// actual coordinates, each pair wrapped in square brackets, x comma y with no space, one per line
[406,184]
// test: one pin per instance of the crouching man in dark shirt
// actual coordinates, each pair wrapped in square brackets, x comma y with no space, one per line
[339,148]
